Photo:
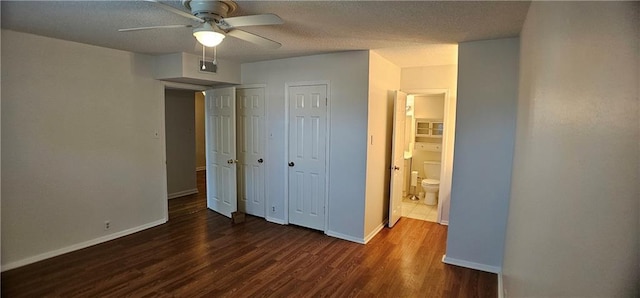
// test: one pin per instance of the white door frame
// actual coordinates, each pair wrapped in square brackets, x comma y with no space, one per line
[266,141]
[449,104]
[286,147]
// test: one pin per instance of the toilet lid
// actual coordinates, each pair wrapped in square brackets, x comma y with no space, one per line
[430,181]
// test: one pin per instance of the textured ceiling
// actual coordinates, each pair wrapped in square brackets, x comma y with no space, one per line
[310,27]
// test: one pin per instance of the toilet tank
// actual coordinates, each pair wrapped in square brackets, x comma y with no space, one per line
[432,169]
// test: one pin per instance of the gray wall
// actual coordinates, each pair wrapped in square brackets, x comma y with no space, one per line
[179,114]
[485,131]
[348,76]
[79,146]
[575,199]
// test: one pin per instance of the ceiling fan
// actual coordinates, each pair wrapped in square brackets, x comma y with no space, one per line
[215,24]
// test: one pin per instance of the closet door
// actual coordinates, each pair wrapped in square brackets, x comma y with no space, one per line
[220,134]
[251,144]
[307,155]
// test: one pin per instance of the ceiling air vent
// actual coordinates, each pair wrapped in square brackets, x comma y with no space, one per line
[208,66]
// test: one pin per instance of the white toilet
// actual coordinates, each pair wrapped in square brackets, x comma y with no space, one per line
[431,183]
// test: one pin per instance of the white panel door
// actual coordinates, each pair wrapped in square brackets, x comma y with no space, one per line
[220,133]
[397,158]
[251,143]
[307,155]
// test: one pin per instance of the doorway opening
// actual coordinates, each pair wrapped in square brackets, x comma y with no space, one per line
[422,155]
[426,181]
[184,152]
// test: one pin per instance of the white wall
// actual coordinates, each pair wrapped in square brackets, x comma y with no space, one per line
[485,131]
[78,146]
[438,77]
[574,209]
[383,77]
[430,77]
[201,160]
[179,114]
[348,76]
[429,106]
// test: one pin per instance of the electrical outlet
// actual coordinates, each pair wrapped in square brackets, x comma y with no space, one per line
[107,225]
[273,208]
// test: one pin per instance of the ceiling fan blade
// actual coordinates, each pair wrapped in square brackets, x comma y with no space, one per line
[253,20]
[256,39]
[154,27]
[172,9]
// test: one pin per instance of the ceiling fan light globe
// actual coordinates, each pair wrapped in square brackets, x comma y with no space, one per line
[208,38]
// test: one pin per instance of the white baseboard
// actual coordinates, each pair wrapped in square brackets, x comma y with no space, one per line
[81,245]
[198,169]
[182,193]
[275,220]
[375,232]
[444,222]
[500,286]
[345,237]
[472,265]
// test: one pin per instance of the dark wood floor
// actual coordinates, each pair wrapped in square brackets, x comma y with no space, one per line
[199,253]
[192,203]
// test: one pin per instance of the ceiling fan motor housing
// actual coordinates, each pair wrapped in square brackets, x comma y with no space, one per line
[210,10]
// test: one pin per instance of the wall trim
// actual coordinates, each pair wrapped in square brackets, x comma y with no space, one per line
[500,286]
[202,168]
[471,265]
[375,232]
[344,237]
[80,245]
[182,193]
[444,222]
[275,220]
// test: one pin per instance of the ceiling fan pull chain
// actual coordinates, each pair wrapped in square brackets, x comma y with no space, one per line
[215,55]
[203,58]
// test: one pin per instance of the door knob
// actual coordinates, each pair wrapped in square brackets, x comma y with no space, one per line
[260,160]
[291,164]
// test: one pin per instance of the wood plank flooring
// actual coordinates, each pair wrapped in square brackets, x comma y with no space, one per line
[192,203]
[199,253]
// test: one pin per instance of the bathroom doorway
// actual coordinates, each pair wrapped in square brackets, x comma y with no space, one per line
[428,154]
